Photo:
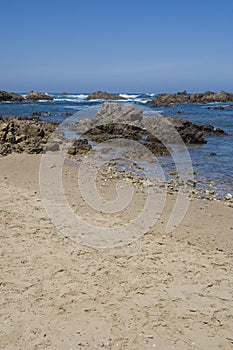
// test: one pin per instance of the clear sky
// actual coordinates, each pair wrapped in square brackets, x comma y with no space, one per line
[118,46]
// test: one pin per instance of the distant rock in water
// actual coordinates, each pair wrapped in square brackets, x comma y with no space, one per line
[35,96]
[10,96]
[166,100]
[24,135]
[101,95]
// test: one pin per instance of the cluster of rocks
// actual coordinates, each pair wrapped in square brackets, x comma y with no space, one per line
[24,135]
[112,121]
[32,96]
[116,121]
[171,186]
[102,95]
[193,133]
[182,97]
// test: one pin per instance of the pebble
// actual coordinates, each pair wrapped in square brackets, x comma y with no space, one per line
[228,196]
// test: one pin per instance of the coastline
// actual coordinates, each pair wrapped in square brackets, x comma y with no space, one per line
[172,291]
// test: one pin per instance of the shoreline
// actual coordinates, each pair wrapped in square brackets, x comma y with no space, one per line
[164,291]
[22,171]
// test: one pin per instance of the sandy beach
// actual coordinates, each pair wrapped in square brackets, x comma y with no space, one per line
[160,292]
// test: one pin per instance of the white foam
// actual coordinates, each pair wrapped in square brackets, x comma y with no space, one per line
[129,96]
[158,112]
[97,100]
[64,99]
[71,96]
[82,96]
[140,100]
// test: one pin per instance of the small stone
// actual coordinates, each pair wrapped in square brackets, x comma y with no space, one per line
[191,183]
[228,196]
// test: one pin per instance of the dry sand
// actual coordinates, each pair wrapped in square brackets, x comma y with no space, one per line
[159,292]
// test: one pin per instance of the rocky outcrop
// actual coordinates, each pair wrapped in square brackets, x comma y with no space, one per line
[35,96]
[166,100]
[193,133]
[115,121]
[24,135]
[79,147]
[101,95]
[10,96]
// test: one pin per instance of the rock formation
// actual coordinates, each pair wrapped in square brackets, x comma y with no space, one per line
[24,135]
[79,147]
[35,96]
[112,121]
[101,95]
[10,96]
[182,97]
[116,121]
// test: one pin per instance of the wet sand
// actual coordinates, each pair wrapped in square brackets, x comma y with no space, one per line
[160,292]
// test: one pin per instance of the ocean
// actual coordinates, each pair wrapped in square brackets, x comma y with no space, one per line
[211,172]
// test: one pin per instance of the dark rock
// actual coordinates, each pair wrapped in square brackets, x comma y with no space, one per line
[79,147]
[53,148]
[35,96]
[219,108]
[10,96]
[179,111]
[36,114]
[207,129]
[101,95]
[219,131]
[213,154]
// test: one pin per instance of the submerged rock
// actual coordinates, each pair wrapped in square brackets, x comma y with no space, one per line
[10,96]
[102,95]
[35,96]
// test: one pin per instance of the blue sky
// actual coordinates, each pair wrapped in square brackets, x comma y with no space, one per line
[118,46]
